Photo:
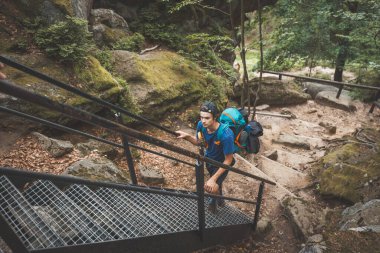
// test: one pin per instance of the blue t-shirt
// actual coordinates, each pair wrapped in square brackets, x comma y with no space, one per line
[214,149]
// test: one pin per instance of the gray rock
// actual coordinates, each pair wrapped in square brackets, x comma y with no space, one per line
[373,228]
[314,88]
[151,175]
[57,225]
[285,111]
[82,8]
[271,154]
[331,129]
[50,12]
[262,107]
[305,217]
[293,141]
[313,249]
[100,169]
[101,148]
[361,215]
[329,98]
[56,148]
[109,18]
[264,226]
[315,238]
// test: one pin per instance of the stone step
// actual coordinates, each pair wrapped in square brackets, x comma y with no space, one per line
[288,177]
[299,141]
[289,159]
[328,98]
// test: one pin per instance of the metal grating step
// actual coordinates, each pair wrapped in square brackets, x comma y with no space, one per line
[144,223]
[24,220]
[172,211]
[101,212]
[63,215]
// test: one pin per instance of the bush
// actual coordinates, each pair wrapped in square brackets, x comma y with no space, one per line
[68,40]
[132,43]
[105,58]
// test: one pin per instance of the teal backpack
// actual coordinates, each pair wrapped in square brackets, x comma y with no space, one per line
[245,135]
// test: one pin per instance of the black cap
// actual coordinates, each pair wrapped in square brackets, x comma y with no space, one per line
[210,107]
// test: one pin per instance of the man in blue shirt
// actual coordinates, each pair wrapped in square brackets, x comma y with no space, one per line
[219,149]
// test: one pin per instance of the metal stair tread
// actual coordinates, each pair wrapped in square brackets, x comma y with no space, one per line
[66,214]
[32,230]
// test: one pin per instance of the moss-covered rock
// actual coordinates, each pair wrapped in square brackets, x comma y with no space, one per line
[91,77]
[352,171]
[163,81]
[276,92]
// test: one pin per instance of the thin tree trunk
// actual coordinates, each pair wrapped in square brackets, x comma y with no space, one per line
[245,96]
[341,61]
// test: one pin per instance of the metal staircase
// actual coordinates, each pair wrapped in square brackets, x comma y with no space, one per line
[49,213]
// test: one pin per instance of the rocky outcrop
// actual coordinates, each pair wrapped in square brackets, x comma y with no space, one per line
[107,26]
[99,147]
[276,92]
[351,171]
[344,102]
[163,82]
[314,88]
[307,218]
[362,217]
[100,169]
[91,78]
[56,148]
[151,175]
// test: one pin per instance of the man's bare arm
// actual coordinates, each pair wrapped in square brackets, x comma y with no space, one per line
[186,136]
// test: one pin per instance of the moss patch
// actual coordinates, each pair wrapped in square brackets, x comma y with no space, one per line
[163,82]
[65,6]
[93,75]
[352,171]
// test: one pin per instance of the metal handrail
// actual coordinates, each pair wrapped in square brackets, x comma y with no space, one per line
[13,90]
[76,91]
[323,80]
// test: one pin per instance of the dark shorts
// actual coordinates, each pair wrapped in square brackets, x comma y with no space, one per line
[212,170]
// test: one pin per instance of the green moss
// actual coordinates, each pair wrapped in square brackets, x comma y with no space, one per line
[343,181]
[351,172]
[65,5]
[112,35]
[95,77]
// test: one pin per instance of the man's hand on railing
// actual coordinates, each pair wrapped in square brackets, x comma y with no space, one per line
[2,75]
[211,186]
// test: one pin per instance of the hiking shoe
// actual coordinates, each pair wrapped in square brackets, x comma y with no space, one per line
[212,208]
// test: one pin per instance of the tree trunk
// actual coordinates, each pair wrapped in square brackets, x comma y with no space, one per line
[340,62]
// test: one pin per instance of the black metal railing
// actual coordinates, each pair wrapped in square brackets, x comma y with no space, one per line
[119,128]
[339,85]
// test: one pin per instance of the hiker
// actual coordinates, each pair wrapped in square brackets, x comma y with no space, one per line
[219,150]
[2,75]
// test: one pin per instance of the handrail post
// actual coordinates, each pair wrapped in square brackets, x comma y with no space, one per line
[258,205]
[199,175]
[280,77]
[340,91]
[128,154]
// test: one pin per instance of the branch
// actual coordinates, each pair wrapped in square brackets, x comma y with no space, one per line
[149,49]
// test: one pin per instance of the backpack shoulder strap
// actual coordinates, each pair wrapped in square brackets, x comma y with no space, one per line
[221,130]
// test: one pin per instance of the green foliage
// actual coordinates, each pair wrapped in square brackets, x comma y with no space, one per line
[68,40]
[105,58]
[133,43]
[216,90]
[208,51]
[310,31]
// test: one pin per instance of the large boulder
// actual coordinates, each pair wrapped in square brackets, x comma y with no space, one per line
[52,11]
[100,169]
[276,92]
[314,88]
[91,77]
[351,172]
[108,26]
[163,82]
[307,218]
[344,102]
[56,148]
[362,217]
[99,147]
